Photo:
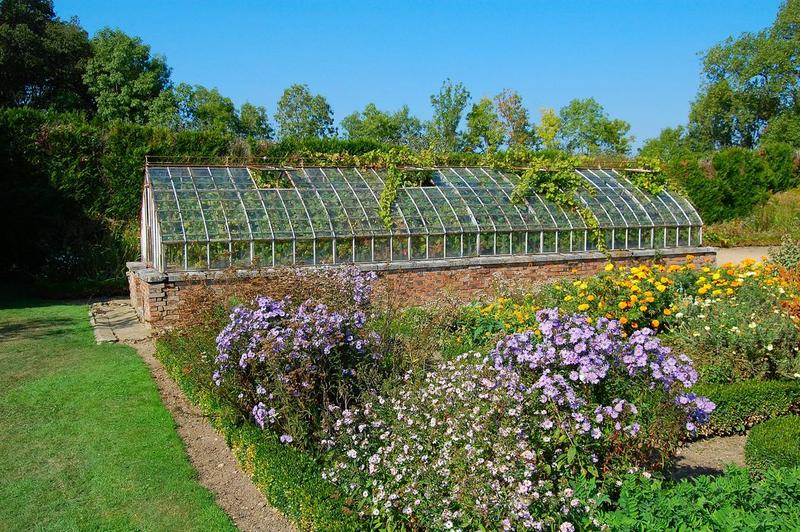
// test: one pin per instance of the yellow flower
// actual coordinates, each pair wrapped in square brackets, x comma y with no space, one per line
[623,305]
[623,320]
[568,298]
[667,312]
[655,323]
[609,267]
[590,297]
[643,308]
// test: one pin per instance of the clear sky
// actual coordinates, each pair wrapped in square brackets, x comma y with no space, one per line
[639,59]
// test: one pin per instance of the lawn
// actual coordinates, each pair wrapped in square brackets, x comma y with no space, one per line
[85,441]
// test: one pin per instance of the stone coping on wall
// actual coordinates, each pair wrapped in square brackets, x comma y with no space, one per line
[150,275]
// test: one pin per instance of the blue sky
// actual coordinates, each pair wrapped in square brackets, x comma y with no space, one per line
[639,59]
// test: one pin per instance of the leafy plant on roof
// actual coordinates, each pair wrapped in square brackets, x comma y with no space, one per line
[647,174]
[557,181]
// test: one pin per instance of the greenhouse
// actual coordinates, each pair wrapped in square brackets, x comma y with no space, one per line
[216,217]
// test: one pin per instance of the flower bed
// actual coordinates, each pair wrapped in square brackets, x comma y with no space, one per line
[535,429]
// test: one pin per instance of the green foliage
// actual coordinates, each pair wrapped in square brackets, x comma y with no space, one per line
[400,128]
[774,443]
[548,128]
[749,83]
[733,501]
[768,224]
[743,404]
[253,122]
[728,186]
[42,58]
[448,107]
[484,129]
[289,478]
[515,121]
[301,114]
[587,129]
[670,144]
[87,181]
[123,78]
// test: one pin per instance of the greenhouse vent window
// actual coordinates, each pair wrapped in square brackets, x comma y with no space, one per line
[197,218]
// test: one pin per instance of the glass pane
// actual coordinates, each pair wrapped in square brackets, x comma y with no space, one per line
[173,256]
[564,241]
[363,250]
[436,246]
[399,248]
[487,243]
[220,255]
[262,254]
[381,246]
[197,255]
[344,250]
[453,245]
[695,237]
[283,253]
[325,251]
[304,252]
[418,247]
[470,244]
[683,237]
[240,255]
[549,242]
[534,242]
[503,243]
[609,236]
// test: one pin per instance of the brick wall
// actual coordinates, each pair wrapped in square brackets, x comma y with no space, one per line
[156,296]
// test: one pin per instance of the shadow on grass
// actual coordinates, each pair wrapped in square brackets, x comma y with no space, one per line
[35,329]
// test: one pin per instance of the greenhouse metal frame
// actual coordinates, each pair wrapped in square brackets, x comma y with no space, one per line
[216,217]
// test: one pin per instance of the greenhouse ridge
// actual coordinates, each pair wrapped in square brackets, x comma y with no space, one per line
[216,217]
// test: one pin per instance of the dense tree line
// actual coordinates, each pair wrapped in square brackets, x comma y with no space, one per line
[49,63]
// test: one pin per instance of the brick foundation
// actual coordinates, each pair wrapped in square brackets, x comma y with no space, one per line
[156,295]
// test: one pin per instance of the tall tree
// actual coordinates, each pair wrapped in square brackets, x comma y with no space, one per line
[301,114]
[42,58]
[548,128]
[253,122]
[484,129]
[448,108]
[123,78]
[669,145]
[206,109]
[748,82]
[392,128]
[514,118]
[586,128]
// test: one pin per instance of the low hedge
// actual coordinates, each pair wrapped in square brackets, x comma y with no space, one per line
[774,443]
[735,500]
[744,404]
[290,479]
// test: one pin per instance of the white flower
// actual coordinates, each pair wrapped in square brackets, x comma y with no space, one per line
[769,347]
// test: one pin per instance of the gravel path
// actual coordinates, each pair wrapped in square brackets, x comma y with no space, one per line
[709,457]
[216,466]
[737,255]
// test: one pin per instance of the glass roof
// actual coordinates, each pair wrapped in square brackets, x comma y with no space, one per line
[225,204]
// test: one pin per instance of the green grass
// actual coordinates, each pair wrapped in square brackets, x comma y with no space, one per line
[85,442]
[765,226]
